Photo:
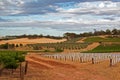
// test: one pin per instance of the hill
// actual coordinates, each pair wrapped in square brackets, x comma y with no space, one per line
[31,41]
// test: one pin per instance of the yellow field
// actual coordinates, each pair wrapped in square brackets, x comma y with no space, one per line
[31,41]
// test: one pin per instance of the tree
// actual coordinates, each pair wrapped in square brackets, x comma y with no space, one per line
[70,36]
[4,46]
[108,32]
[114,32]
[17,45]
[21,45]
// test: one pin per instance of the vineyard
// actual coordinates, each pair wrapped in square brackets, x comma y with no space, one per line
[87,57]
[10,61]
[66,45]
[62,46]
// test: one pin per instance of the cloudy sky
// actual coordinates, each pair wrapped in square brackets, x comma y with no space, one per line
[55,17]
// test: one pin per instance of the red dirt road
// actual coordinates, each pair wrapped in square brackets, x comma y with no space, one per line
[48,69]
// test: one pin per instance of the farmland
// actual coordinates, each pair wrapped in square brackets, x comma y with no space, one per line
[83,44]
[99,61]
[61,46]
[106,48]
[69,66]
[31,41]
[100,39]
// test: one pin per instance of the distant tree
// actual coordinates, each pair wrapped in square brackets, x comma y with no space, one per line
[11,46]
[108,32]
[21,45]
[4,46]
[114,32]
[17,45]
[69,36]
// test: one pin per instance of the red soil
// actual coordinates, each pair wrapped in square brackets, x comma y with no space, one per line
[48,69]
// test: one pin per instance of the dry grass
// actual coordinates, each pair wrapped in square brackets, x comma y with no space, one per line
[31,41]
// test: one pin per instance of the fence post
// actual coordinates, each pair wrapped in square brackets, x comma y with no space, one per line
[92,60]
[60,58]
[110,62]
[20,70]
[26,67]
[72,58]
[1,70]
[81,59]
[65,58]
[22,73]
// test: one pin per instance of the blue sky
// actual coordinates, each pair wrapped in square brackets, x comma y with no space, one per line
[59,16]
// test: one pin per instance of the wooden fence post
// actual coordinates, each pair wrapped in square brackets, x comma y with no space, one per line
[110,62]
[92,60]
[72,58]
[20,70]
[81,59]
[1,70]
[26,67]
[60,57]
[22,73]
[65,58]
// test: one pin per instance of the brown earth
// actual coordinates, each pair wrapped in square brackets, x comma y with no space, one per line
[31,41]
[91,46]
[40,68]
[48,69]
[81,40]
[103,36]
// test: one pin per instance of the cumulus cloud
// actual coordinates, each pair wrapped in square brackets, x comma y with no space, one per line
[68,15]
[96,8]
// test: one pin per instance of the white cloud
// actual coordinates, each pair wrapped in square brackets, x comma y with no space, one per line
[95,14]
[94,8]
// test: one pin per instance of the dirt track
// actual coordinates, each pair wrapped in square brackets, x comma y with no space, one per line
[48,69]
[90,47]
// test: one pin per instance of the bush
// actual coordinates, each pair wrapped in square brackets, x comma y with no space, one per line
[59,50]
[11,59]
[46,50]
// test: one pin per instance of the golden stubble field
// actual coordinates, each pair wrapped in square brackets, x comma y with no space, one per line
[31,41]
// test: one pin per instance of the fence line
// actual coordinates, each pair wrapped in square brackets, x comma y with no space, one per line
[94,58]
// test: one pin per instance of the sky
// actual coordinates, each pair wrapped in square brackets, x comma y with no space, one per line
[55,17]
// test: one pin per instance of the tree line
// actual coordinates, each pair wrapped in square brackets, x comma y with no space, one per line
[34,36]
[114,32]
[68,35]
[10,46]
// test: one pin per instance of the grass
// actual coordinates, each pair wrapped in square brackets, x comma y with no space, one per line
[105,49]
[99,39]
[13,51]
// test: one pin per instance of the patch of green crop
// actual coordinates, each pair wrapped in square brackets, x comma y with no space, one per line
[99,39]
[105,49]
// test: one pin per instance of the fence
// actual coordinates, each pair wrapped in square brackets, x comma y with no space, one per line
[94,58]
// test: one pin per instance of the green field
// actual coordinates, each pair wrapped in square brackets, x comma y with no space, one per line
[105,49]
[99,39]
